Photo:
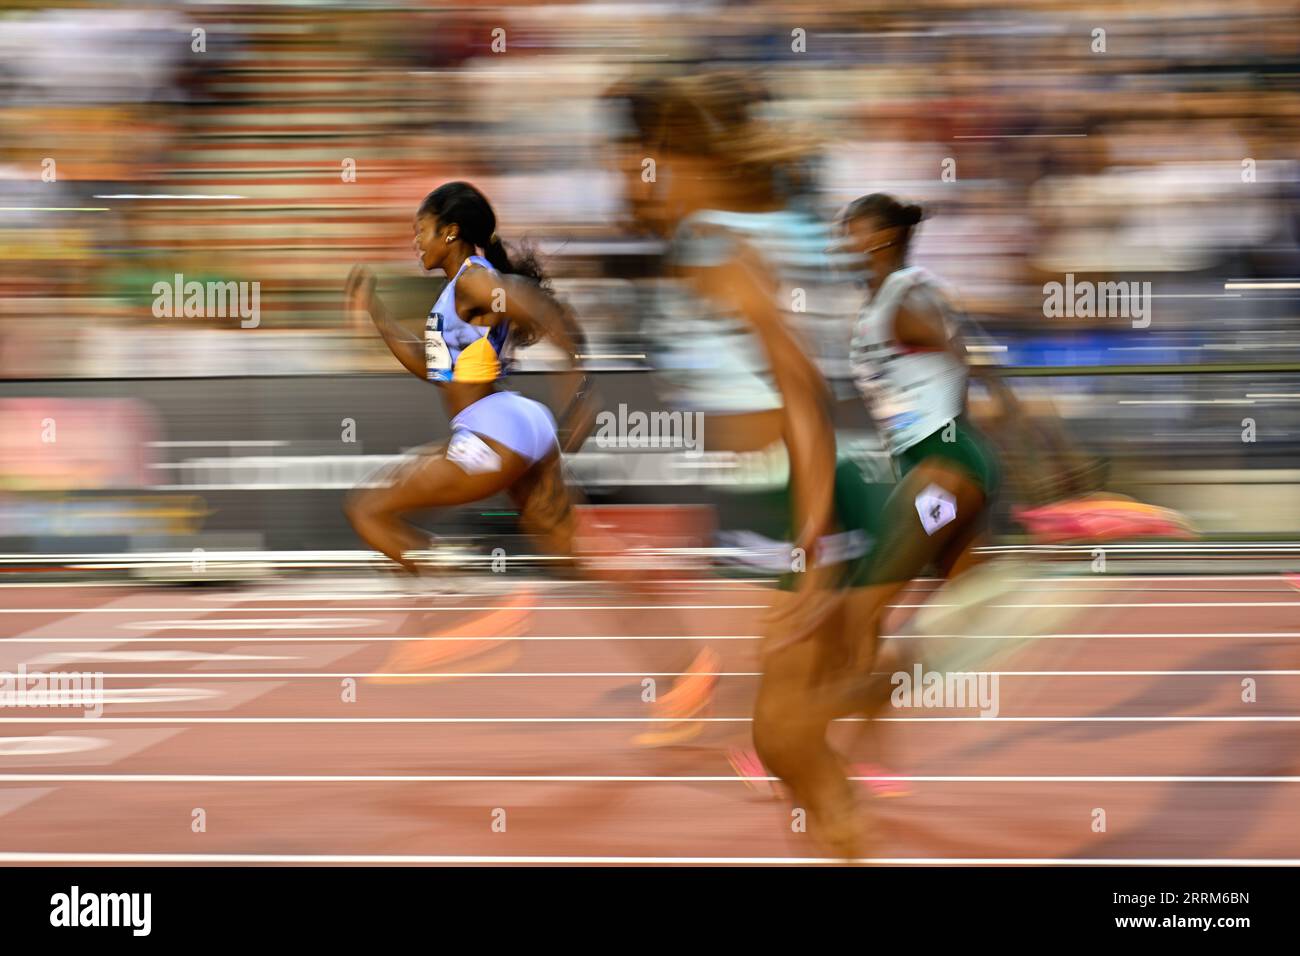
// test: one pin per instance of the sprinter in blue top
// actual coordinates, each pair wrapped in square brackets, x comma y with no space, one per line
[500,440]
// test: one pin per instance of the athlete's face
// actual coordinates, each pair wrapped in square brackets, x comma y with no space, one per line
[660,187]
[870,238]
[430,241]
[638,174]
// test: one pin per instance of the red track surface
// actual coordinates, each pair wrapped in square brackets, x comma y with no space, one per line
[45,810]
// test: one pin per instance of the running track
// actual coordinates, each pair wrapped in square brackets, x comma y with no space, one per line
[232,701]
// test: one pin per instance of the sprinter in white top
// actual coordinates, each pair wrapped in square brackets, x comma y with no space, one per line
[909,364]
[911,391]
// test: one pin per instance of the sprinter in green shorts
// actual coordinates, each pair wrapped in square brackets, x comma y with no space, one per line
[910,366]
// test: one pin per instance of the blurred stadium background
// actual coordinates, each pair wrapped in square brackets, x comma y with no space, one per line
[1169,158]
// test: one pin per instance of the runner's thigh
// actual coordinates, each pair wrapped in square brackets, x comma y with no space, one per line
[929,513]
[468,468]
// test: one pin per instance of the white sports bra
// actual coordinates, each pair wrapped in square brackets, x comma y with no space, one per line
[910,393]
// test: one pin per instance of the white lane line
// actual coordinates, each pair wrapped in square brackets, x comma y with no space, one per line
[72,585]
[72,697]
[1102,605]
[370,640]
[574,778]
[168,196]
[1144,578]
[1182,635]
[152,657]
[1066,576]
[424,859]
[1127,635]
[45,746]
[1084,720]
[468,592]
[1101,589]
[608,607]
[1245,673]
[374,560]
[330,675]
[255,624]
[107,749]
[1250,673]
[407,608]
[628,720]
[156,695]
[278,443]
[723,583]
[1050,551]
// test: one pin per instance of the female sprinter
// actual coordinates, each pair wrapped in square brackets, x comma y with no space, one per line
[910,367]
[500,440]
[717,194]
[735,346]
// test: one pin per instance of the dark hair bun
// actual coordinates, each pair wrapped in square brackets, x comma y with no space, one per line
[887,209]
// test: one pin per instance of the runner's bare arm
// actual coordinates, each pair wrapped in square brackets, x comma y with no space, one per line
[361,300]
[919,323]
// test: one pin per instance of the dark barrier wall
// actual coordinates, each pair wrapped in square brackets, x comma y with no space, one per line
[199,425]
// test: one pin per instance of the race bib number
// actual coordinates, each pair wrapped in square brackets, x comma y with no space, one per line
[936,508]
[437,357]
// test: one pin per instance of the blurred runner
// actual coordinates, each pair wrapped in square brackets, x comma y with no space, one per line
[910,366]
[733,343]
[722,188]
[500,441]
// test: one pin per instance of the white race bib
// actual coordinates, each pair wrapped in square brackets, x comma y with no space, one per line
[437,357]
[936,508]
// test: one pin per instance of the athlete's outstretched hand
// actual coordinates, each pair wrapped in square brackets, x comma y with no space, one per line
[359,296]
[365,311]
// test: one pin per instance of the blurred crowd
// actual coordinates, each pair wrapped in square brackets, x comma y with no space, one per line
[279,144]
[156,143]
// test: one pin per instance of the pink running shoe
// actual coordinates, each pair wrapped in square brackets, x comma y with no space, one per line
[750,769]
[886,784]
